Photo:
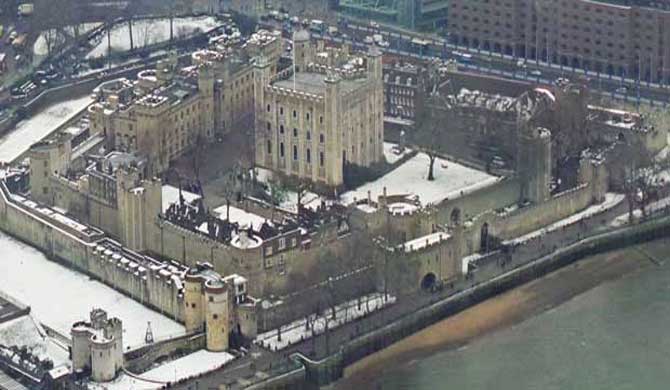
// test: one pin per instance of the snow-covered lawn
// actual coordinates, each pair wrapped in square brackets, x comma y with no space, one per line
[392,154]
[188,366]
[24,331]
[309,200]
[452,180]
[171,195]
[152,31]
[297,330]
[29,131]
[60,296]
[244,218]
[611,200]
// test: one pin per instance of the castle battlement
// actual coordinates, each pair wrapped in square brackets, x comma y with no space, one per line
[291,93]
[426,242]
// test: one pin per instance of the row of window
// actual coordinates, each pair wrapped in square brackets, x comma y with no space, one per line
[308,134]
[295,113]
[308,153]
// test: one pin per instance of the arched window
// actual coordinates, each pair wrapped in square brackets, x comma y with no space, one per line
[281,149]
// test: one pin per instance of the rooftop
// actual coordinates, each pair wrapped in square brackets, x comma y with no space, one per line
[314,83]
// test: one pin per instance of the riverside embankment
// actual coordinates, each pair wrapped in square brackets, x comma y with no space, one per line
[508,309]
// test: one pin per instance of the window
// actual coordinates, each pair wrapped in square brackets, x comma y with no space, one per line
[268,251]
[281,129]
[307,116]
[215,316]
[281,110]
[281,149]
[295,153]
[321,119]
[295,132]
[269,147]
[193,305]
[211,299]
[322,138]
[308,135]
[269,126]
[294,242]
[295,114]
[309,156]
[321,158]
[268,108]
[282,243]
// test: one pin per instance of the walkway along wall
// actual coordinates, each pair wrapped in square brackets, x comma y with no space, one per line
[150,282]
[331,368]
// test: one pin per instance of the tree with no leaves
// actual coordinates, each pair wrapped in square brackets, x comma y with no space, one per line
[640,176]
[429,117]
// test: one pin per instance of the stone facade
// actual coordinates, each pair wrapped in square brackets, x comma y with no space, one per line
[211,303]
[328,113]
[606,36]
[168,111]
[97,346]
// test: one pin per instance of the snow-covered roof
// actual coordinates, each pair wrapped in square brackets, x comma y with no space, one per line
[188,366]
[402,208]
[25,331]
[38,126]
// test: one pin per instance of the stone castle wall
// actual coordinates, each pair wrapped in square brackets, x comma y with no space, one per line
[265,274]
[90,252]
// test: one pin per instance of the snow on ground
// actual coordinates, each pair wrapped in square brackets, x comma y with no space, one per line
[57,38]
[392,154]
[244,218]
[296,331]
[659,205]
[611,200]
[171,195]
[182,368]
[24,331]
[310,200]
[27,132]
[452,180]
[60,296]
[152,31]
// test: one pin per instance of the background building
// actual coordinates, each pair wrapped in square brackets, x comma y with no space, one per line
[630,38]
[419,14]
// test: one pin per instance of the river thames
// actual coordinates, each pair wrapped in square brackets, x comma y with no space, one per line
[613,336]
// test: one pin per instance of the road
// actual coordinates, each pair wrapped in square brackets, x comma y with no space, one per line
[406,43]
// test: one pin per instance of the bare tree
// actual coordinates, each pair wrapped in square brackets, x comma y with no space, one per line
[429,118]
[640,176]
[197,154]
[397,272]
